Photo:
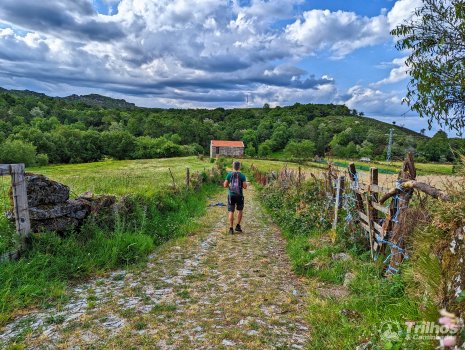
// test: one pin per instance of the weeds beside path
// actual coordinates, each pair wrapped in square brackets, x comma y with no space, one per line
[208,291]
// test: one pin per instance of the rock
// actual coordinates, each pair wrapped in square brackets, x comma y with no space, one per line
[348,278]
[341,256]
[227,342]
[72,208]
[50,208]
[42,190]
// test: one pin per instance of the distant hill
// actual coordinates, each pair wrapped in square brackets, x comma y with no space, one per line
[92,100]
[96,100]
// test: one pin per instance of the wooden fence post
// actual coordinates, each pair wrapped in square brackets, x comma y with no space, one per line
[371,211]
[338,202]
[354,179]
[20,203]
[188,178]
[23,223]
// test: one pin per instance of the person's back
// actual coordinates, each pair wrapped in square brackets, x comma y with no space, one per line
[235,182]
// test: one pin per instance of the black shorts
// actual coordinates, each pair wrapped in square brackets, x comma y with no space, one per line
[235,202]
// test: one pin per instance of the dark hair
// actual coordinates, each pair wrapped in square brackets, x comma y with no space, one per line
[236,165]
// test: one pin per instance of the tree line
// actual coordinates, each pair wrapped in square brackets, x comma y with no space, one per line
[37,129]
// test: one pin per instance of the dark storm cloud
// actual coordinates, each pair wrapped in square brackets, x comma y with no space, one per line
[71,17]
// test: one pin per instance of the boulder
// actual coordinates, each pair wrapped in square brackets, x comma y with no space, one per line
[72,208]
[50,208]
[41,190]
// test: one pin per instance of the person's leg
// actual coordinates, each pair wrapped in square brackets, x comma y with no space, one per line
[231,209]
[231,219]
[239,217]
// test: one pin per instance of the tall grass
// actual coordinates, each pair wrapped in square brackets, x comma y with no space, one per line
[348,313]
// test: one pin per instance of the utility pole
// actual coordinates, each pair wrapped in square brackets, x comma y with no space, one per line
[389,150]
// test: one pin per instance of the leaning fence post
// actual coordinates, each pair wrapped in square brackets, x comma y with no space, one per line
[338,203]
[373,194]
[19,189]
[188,178]
[355,186]
[369,210]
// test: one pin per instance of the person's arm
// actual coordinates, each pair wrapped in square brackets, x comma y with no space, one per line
[244,183]
[226,182]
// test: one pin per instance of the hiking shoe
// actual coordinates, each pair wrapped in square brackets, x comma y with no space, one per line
[238,228]
[231,231]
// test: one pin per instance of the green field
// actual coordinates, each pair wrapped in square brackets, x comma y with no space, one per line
[122,177]
[143,177]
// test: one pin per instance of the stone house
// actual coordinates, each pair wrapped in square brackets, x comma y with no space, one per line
[226,148]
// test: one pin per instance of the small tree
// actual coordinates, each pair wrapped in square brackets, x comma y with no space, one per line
[264,149]
[304,149]
[16,151]
[435,39]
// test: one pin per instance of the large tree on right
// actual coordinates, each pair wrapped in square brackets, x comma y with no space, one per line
[435,40]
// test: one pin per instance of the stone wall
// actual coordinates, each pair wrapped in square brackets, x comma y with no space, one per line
[51,209]
[227,151]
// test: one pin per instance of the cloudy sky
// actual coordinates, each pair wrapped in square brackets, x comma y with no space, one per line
[209,53]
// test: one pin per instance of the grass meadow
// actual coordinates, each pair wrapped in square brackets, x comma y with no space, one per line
[144,177]
[158,214]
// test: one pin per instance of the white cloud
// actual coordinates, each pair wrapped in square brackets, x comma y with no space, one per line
[340,32]
[402,11]
[189,51]
[374,101]
[397,74]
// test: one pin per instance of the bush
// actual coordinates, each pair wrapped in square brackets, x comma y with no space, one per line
[42,159]
[16,151]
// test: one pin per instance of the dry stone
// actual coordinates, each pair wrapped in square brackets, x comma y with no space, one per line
[50,208]
[42,190]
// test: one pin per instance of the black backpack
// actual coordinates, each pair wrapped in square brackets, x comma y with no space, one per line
[235,185]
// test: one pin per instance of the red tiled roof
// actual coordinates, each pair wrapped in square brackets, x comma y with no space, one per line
[221,143]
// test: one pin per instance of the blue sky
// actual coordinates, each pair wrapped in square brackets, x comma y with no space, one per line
[210,53]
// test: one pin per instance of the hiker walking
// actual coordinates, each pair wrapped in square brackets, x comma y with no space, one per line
[235,182]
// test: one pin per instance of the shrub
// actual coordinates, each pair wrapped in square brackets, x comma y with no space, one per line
[42,159]
[16,151]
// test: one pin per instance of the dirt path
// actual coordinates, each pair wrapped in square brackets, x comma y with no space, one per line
[207,291]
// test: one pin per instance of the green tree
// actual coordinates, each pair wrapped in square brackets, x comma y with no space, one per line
[118,144]
[437,148]
[436,64]
[250,151]
[265,149]
[302,150]
[17,151]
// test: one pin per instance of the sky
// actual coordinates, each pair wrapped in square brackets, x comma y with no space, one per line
[212,53]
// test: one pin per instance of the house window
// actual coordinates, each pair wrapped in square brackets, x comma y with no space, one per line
[217,150]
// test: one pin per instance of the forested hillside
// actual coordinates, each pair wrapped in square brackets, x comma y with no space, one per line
[37,129]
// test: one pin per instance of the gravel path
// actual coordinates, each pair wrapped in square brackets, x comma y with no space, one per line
[206,291]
